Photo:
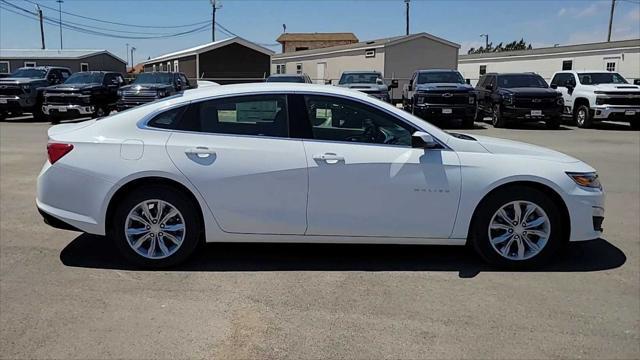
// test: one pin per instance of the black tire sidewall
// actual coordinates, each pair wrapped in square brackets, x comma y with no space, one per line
[496,116]
[587,117]
[178,200]
[490,205]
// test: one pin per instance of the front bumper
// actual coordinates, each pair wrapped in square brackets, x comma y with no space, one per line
[68,110]
[616,112]
[586,210]
[14,102]
[529,114]
[444,111]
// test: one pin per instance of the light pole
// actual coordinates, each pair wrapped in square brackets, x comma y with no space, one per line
[407,16]
[613,7]
[128,55]
[216,5]
[486,40]
[133,48]
[60,19]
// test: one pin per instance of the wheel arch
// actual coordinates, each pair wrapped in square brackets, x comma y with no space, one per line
[546,189]
[579,101]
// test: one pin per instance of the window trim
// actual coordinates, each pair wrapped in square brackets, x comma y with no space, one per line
[30,64]
[8,66]
[84,64]
[562,64]
[176,65]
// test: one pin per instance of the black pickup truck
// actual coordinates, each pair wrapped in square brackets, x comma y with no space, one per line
[152,86]
[436,95]
[22,90]
[518,97]
[84,94]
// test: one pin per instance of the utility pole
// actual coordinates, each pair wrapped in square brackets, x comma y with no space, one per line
[128,55]
[215,4]
[613,6]
[133,48]
[60,21]
[41,26]
[486,40]
[407,14]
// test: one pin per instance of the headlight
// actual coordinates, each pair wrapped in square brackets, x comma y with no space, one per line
[600,100]
[589,180]
[162,93]
[508,99]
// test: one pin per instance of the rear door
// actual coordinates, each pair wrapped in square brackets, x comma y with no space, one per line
[238,154]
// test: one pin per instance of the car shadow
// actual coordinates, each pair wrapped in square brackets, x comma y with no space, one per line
[90,251]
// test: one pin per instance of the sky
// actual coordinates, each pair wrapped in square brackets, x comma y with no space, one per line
[539,22]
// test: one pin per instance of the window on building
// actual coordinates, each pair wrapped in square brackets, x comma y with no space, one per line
[175,66]
[4,67]
[301,48]
[567,64]
[29,64]
[84,67]
[169,66]
[370,53]
[483,69]
[299,68]
[611,66]
[154,67]
[281,69]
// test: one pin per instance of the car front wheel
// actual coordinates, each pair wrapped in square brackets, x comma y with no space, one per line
[156,227]
[517,227]
[497,120]
[583,117]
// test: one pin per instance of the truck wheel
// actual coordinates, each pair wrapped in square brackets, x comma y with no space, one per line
[553,123]
[582,117]
[496,117]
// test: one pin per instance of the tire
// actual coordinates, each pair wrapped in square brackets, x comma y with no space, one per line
[582,117]
[468,122]
[635,124]
[553,123]
[101,111]
[487,214]
[497,119]
[157,232]
[38,114]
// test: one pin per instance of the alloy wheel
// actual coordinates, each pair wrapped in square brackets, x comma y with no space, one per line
[519,230]
[155,229]
[582,116]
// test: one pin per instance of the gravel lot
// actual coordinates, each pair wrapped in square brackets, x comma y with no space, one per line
[67,295]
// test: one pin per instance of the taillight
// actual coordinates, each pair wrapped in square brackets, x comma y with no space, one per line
[56,151]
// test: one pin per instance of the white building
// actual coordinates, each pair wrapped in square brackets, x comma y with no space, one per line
[621,56]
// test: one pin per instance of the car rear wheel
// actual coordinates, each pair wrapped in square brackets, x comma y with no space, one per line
[517,227]
[497,120]
[156,227]
[583,117]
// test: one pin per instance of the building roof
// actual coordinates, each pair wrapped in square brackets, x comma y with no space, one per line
[66,54]
[372,44]
[210,46]
[555,50]
[345,36]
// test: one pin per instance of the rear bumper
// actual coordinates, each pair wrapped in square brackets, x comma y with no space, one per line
[613,112]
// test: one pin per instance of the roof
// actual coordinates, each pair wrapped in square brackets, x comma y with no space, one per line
[436,70]
[378,43]
[361,72]
[66,54]
[344,36]
[556,49]
[210,46]
[286,75]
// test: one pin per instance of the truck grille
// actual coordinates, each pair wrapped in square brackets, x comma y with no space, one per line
[535,103]
[634,101]
[10,91]
[134,97]
[64,100]
[446,98]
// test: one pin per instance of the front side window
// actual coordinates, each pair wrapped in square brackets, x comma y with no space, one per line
[521,80]
[601,78]
[261,115]
[338,119]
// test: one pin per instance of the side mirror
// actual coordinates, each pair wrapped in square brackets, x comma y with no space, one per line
[421,139]
[394,84]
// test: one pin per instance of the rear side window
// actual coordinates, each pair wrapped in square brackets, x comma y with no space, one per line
[168,119]
[262,115]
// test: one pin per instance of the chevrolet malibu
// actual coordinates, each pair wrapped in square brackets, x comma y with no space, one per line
[307,163]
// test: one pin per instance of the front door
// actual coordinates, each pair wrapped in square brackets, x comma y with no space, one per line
[237,153]
[365,179]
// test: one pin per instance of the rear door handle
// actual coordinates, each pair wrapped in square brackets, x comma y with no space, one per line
[200,151]
[328,157]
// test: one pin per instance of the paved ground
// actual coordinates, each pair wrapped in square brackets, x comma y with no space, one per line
[65,295]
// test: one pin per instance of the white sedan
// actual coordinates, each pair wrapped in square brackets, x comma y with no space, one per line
[287,162]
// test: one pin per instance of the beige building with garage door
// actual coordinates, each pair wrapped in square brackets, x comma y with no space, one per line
[395,57]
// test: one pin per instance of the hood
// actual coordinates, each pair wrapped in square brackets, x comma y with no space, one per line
[531,91]
[509,147]
[443,87]
[145,87]
[17,81]
[72,87]
[613,87]
[366,87]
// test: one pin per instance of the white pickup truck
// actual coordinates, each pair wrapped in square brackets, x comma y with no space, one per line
[593,96]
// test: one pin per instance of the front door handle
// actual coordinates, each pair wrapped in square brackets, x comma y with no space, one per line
[200,151]
[329,157]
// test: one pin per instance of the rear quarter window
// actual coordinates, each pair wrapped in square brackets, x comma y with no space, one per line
[168,119]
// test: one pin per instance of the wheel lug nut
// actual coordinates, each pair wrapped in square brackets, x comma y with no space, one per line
[515,223]
[159,234]
[510,231]
[154,221]
[152,234]
[162,226]
[148,227]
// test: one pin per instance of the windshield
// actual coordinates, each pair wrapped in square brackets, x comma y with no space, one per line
[154,78]
[601,78]
[287,79]
[521,81]
[446,77]
[85,78]
[29,73]
[359,78]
